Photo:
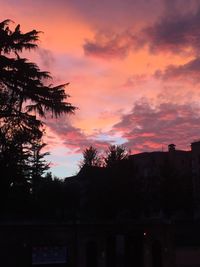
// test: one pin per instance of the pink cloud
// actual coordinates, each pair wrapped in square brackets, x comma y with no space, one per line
[109,45]
[72,137]
[149,127]
[175,29]
[188,72]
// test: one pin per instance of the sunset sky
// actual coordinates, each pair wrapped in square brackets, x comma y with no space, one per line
[133,68]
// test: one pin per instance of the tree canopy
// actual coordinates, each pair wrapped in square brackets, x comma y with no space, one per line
[90,157]
[114,154]
[26,96]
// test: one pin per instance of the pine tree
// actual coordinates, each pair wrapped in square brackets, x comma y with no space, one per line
[114,154]
[25,98]
[90,157]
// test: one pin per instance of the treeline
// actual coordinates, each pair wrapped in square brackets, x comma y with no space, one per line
[53,199]
[108,158]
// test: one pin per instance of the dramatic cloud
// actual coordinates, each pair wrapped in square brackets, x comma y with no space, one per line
[109,45]
[187,72]
[150,127]
[176,31]
[74,138]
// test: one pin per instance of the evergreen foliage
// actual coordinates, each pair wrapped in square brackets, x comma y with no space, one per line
[90,157]
[25,98]
[114,154]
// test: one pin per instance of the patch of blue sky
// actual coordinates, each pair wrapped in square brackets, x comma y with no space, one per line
[64,163]
[112,139]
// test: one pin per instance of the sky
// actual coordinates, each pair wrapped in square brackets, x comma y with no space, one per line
[133,68]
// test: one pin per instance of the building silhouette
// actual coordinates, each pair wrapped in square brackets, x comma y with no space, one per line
[143,211]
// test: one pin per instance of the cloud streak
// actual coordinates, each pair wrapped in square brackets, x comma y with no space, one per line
[74,138]
[109,45]
[148,127]
[187,72]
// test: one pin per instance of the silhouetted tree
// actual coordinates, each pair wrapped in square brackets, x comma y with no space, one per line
[90,157]
[50,197]
[25,95]
[114,154]
[38,164]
